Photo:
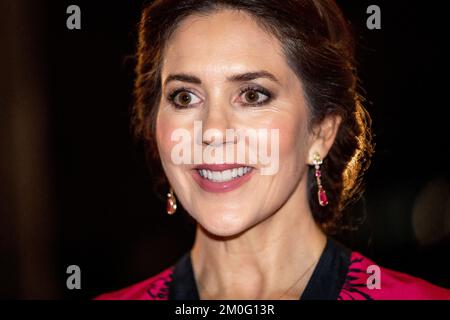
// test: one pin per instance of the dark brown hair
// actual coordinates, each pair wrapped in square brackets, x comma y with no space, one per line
[319,48]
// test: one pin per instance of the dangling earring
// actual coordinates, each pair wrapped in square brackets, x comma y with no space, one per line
[321,194]
[171,205]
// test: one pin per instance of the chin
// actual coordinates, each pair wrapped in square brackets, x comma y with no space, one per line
[224,224]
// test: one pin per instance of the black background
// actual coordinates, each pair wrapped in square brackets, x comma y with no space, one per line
[105,217]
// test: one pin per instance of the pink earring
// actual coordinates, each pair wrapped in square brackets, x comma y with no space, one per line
[171,204]
[321,194]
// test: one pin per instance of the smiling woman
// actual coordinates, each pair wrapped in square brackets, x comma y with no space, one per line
[247,65]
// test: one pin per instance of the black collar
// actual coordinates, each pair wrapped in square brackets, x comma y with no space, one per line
[325,283]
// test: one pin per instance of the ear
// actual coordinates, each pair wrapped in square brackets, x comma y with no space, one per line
[323,137]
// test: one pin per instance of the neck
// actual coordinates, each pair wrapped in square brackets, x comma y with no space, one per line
[263,262]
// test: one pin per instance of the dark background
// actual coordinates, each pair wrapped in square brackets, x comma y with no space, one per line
[74,188]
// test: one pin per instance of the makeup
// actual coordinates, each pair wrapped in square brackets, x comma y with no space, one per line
[222,177]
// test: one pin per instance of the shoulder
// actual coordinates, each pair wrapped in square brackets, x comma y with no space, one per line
[366,280]
[154,288]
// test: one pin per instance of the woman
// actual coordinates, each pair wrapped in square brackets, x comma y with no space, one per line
[251,107]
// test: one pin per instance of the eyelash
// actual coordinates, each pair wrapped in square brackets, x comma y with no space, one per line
[265,92]
[268,94]
[174,93]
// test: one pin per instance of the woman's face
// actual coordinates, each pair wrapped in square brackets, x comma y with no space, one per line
[222,71]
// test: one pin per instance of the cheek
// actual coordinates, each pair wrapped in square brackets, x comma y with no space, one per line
[165,126]
[292,136]
[293,139]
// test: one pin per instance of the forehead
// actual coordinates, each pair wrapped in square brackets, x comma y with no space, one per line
[223,41]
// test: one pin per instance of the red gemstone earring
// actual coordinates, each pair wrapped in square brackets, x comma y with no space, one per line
[321,194]
[171,205]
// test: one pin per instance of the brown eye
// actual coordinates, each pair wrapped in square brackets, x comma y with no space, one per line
[251,96]
[184,99]
[255,97]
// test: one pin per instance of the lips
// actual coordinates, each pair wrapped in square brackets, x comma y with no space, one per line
[221,177]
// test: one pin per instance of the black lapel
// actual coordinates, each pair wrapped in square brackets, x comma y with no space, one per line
[329,275]
[325,284]
[183,286]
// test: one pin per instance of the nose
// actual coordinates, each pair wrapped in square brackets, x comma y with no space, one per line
[217,120]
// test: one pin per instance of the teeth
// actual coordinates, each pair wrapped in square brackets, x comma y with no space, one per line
[223,176]
[226,175]
[217,175]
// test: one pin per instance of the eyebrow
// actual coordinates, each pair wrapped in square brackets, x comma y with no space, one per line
[247,76]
